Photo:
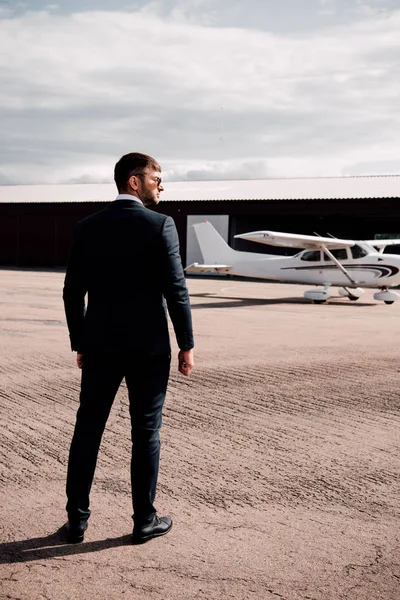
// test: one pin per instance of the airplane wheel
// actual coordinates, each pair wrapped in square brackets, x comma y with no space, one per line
[353,298]
[389,301]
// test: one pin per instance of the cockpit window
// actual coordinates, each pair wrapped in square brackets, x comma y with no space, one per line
[340,254]
[312,255]
[358,252]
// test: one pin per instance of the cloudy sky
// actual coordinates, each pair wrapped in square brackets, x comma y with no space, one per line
[214,89]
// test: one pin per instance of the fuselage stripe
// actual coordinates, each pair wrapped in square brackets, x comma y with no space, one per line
[383,270]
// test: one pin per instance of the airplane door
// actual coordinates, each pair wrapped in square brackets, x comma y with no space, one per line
[312,268]
[331,272]
[362,265]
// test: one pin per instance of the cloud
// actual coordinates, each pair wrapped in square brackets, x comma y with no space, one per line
[377,167]
[88,178]
[327,8]
[4,179]
[80,90]
[213,171]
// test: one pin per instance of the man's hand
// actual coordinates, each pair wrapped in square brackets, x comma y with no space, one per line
[79,360]
[185,361]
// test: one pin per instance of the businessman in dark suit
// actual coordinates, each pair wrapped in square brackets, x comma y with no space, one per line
[126,258]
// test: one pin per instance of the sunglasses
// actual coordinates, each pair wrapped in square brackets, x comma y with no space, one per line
[158,180]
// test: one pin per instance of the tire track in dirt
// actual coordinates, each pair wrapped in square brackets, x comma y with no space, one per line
[262,433]
[239,420]
[280,457]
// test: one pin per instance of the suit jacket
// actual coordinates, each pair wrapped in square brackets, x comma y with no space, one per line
[126,258]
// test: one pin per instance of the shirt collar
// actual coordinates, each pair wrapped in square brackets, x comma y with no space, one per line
[128,197]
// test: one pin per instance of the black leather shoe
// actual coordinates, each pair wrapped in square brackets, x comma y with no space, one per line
[75,534]
[158,526]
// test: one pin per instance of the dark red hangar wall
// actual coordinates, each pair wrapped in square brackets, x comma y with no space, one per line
[39,234]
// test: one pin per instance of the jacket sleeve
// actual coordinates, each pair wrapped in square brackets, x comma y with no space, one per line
[75,288]
[174,286]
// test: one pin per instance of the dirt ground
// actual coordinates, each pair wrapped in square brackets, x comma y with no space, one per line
[280,454]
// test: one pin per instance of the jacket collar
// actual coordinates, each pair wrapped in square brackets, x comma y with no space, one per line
[127,197]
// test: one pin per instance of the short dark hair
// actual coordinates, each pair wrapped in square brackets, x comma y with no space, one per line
[130,164]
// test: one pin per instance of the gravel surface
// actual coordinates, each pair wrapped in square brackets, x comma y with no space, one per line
[280,454]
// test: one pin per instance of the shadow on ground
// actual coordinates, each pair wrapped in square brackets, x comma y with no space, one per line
[243,302]
[54,545]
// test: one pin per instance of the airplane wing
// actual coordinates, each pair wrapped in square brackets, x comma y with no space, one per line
[196,268]
[383,243]
[293,240]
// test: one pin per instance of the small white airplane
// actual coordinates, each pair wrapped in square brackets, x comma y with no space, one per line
[323,261]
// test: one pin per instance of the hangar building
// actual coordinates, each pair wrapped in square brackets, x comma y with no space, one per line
[37,221]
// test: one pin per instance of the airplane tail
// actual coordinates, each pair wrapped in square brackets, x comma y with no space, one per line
[213,247]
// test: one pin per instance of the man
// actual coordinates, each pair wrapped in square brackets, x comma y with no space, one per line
[126,258]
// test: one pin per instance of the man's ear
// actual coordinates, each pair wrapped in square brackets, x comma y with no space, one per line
[133,183]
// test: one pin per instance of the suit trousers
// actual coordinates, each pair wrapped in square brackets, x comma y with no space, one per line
[146,379]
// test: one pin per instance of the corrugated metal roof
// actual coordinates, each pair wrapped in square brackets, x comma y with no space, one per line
[323,188]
